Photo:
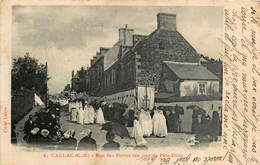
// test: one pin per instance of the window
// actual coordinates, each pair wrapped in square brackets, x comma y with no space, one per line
[113,76]
[202,88]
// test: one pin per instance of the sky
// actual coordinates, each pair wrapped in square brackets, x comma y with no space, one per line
[67,37]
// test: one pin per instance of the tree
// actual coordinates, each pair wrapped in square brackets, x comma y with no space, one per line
[28,73]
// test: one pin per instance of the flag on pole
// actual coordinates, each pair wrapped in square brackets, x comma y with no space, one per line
[146,97]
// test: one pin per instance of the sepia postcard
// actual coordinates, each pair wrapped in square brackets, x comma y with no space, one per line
[130,82]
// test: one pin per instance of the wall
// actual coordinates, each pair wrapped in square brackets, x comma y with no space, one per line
[21,103]
[96,83]
[187,117]
[124,75]
[161,46]
[191,87]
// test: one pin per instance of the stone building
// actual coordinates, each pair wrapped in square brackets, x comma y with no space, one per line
[136,60]
[95,84]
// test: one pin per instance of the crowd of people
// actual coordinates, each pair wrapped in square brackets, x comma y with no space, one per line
[84,113]
[44,127]
[207,129]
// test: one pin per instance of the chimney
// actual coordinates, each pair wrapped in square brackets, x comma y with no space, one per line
[166,21]
[103,51]
[72,74]
[126,36]
[121,34]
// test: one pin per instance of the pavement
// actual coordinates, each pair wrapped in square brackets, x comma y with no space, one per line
[173,140]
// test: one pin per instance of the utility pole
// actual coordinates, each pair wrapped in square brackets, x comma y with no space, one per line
[146,95]
[46,94]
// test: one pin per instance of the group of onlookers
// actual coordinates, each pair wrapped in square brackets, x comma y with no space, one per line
[206,128]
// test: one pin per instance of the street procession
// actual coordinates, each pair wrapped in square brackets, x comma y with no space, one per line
[115,121]
[143,92]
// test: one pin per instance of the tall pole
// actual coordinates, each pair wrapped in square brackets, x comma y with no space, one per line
[46,94]
[146,95]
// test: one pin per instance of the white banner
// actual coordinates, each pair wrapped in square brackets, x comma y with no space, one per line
[126,97]
[145,97]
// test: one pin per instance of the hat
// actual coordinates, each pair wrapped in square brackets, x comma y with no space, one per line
[86,132]
[35,131]
[69,133]
[86,102]
[45,132]
[140,141]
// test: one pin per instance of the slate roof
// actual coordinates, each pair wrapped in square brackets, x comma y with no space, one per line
[191,71]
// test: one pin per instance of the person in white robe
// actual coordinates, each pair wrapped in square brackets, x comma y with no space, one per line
[149,122]
[80,105]
[73,112]
[155,122]
[143,123]
[77,104]
[80,116]
[91,115]
[162,127]
[70,106]
[100,116]
[86,113]
[137,130]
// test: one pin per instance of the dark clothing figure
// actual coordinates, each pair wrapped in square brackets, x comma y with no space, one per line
[111,146]
[216,124]
[87,143]
[28,126]
[203,124]
[195,122]
[68,144]
[112,113]
[43,119]
[122,119]
[171,119]
[117,115]
[105,111]
[52,126]
[177,123]
[131,118]
[165,115]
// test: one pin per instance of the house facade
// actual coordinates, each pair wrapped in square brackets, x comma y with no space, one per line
[188,79]
[137,60]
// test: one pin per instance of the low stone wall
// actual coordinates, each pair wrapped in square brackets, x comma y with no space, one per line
[21,103]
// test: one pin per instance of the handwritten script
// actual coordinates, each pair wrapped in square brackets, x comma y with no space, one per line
[241,72]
